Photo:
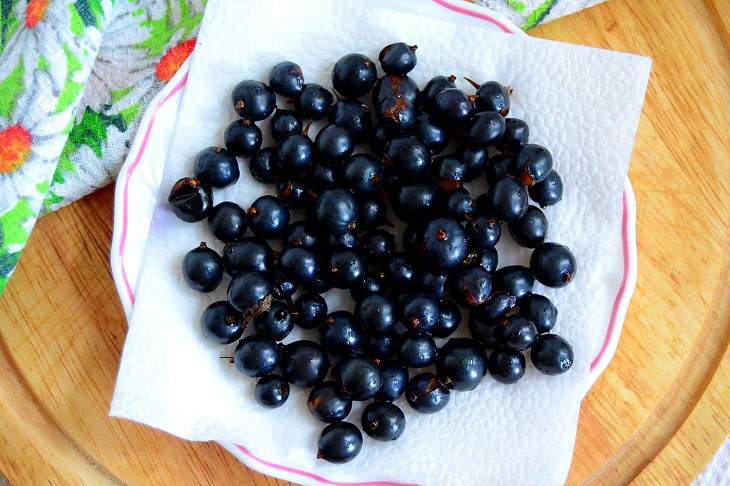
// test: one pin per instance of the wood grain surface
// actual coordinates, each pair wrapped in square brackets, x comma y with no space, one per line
[657,414]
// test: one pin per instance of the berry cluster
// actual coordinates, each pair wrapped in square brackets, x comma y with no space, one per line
[403,300]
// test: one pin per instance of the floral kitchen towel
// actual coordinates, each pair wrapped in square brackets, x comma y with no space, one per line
[75,77]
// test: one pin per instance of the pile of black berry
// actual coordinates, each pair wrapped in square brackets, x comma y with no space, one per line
[403,300]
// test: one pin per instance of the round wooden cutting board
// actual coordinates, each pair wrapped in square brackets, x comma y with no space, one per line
[656,415]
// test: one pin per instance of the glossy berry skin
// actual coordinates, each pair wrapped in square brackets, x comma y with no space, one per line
[515,280]
[358,376]
[472,286]
[363,175]
[420,311]
[227,221]
[499,304]
[256,355]
[202,269]
[340,334]
[344,269]
[216,167]
[401,88]
[299,264]
[354,75]
[370,283]
[507,199]
[247,290]
[313,102]
[449,320]
[399,271]
[353,115]
[425,394]
[191,200]
[540,311]
[407,156]
[416,349]
[553,265]
[381,346]
[476,161]
[327,404]
[243,138]
[379,136]
[294,154]
[383,421]
[457,204]
[506,366]
[271,391]
[376,314]
[483,331]
[531,229]
[247,254]
[253,100]
[310,311]
[334,143]
[275,323]
[461,364]
[516,332]
[432,284]
[498,167]
[339,442]
[335,210]
[444,244]
[492,96]
[376,246]
[516,135]
[345,241]
[293,193]
[264,168]
[284,123]
[434,86]
[300,234]
[320,177]
[414,201]
[449,172]
[551,355]
[371,213]
[452,108]
[286,78]
[268,217]
[532,164]
[395,377]
[428,131]
[484,232]
[398,59]
[487,258]
[319,285]
[284,287]
[304,363]
[221,323]
[396,113]
[485,129]
[549,191]
[411,237]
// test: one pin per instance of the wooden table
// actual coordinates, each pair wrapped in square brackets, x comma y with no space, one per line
[657,414]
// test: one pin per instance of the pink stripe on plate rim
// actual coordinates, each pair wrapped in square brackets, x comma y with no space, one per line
[130,293]
[125,194]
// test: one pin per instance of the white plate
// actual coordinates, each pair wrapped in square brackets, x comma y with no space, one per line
[138,186]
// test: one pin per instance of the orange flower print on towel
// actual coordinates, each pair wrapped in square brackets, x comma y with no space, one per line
[34,12]
[173,59]
[14,148]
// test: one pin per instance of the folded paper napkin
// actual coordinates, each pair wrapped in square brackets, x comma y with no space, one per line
[75,78]
[582,103]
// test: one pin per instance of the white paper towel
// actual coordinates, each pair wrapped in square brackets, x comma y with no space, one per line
[582,103]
